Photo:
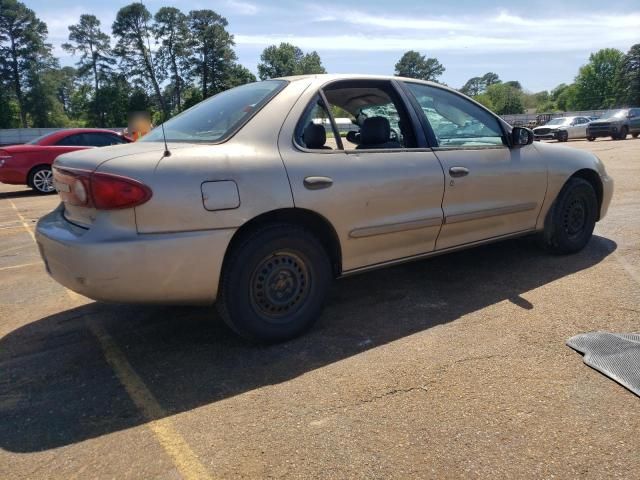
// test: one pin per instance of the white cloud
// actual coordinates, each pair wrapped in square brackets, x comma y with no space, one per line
[242,8]
[503,32]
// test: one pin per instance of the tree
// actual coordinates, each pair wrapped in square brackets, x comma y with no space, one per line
[132,30]
[414,65]
[22,50]
[599,81]
[171,31]
[505,99]
[94,46]
[474,87]
[491,78]
[213,53]
[514,83]
[287,59]
[478,85]
[630,76]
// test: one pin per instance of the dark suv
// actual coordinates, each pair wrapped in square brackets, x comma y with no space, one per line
[616,124]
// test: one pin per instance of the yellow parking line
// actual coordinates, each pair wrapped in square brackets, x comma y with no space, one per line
[173,443]
[23,220]
[185,460]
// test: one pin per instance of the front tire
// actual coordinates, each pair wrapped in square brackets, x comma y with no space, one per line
[635,135]
[591,139]
[41,180]
[274,284]
[570,222]
[563,137]
[623,133]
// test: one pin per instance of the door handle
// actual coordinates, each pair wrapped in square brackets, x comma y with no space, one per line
[317,183]
[458,171]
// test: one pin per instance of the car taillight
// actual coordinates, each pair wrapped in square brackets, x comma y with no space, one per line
[103,191]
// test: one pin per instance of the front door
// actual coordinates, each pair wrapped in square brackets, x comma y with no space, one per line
[361,168]
[491,190]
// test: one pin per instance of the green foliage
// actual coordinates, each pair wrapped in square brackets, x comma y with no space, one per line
[414,65]
[131,28]
[23,51]
[478,85]
[171,32]
[286,60]
[630,77]
[598,82]
[505,99]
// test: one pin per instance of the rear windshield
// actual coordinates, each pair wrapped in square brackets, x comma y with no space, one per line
[218,117]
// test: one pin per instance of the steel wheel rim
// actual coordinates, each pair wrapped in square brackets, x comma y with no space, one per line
[575,217]
[280,285]
[43,181]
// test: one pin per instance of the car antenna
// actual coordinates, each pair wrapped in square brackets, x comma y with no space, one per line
[166,153]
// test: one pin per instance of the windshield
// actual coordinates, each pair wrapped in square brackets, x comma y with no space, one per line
[615,114]
[218,117]
[559,121]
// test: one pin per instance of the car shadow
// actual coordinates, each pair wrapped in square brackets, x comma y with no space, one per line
[57,388]
[19,194]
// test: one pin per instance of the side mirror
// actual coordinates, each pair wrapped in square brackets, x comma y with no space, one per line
[521,136]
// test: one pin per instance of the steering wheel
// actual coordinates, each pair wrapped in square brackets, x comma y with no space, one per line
[394,136]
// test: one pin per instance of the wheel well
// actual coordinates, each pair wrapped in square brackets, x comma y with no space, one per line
[593,178]
[312,221]
[33,169]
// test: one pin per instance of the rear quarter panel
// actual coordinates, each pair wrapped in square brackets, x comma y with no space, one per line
[251,159]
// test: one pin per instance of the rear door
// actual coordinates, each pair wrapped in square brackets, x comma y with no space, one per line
[491,190]
[384,199]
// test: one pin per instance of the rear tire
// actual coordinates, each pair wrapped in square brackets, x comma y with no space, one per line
[570,222]
[274,284]
[635,135]
[41,180]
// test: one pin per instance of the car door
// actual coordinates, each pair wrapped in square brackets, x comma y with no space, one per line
[384,203]
[491,190]
[580,129]
[634,121]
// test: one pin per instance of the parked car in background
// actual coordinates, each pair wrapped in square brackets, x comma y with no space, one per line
[562,129]
[258,203]
[616,124]
[30,163]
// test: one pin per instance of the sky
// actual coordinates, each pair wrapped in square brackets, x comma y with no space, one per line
[540,43]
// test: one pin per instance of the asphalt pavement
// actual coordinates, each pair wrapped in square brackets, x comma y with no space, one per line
[450,367]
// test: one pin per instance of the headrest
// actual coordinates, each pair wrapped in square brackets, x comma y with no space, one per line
[375,130]
[314,135]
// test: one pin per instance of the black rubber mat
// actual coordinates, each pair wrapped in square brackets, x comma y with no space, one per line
[616,355]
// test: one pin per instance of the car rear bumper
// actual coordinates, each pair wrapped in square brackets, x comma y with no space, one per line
[176,268]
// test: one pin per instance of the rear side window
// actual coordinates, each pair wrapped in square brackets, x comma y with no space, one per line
[102,139]
[455,121]
[220,116]
[76,140]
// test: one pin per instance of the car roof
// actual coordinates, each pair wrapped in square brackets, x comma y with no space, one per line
[354,76]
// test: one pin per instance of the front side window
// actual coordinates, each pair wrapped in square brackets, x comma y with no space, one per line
[456,122]
[218,117]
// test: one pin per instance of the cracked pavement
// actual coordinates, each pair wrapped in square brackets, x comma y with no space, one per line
[445,368]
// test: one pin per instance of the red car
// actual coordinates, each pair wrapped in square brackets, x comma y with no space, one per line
[30,164]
